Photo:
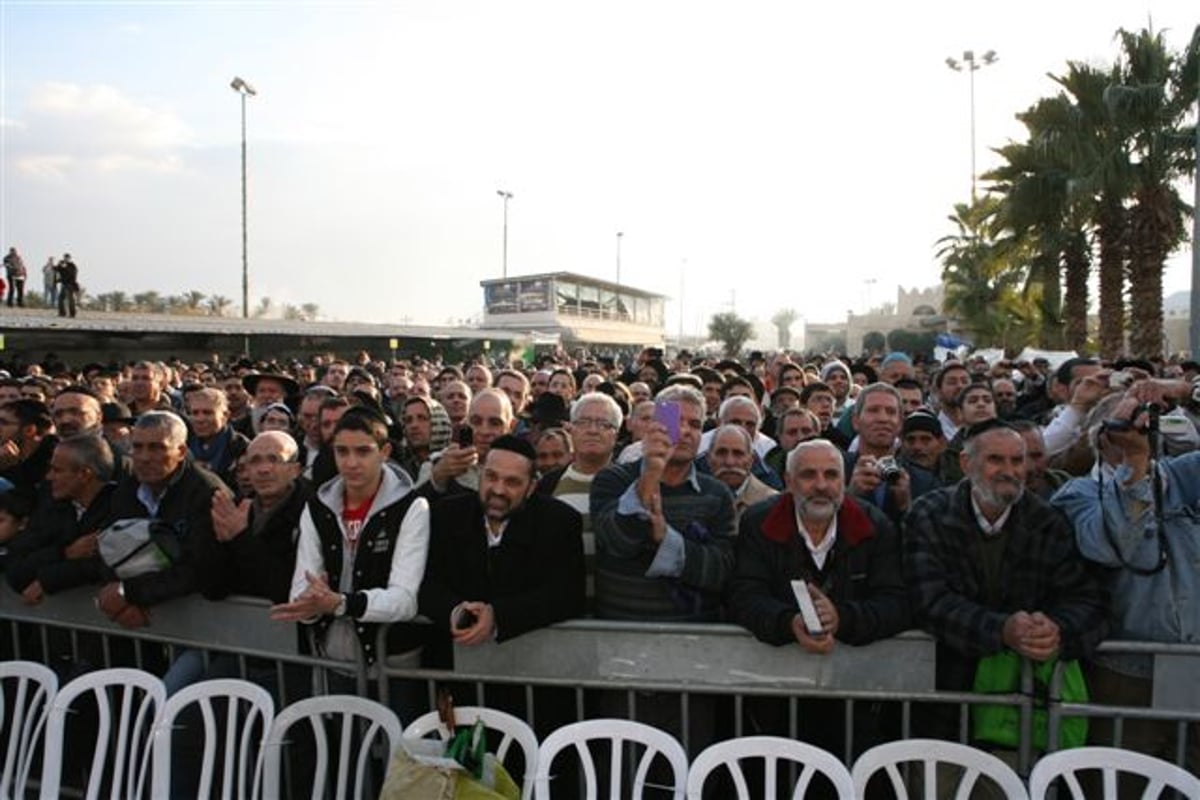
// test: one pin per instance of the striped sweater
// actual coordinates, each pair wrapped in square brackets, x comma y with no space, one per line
[677,580]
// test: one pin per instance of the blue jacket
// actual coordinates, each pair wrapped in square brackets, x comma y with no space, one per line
[1165,606]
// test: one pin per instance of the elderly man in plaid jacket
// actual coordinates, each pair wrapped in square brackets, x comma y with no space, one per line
[992,566]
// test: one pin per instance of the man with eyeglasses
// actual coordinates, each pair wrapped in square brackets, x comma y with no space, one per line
[251,552]
[595,420]
[253,548]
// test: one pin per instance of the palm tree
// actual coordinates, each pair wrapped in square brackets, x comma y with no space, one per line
[1101,173]
[192,301]
[782,321]
[149,302]
[1031,218]
[1156,90]
[265,308]
[311,310]
[218,305]
[981,281]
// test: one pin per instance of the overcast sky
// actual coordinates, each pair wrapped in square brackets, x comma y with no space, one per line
[765,155]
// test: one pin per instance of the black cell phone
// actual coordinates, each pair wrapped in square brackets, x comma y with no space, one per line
[466,619]
[465,437]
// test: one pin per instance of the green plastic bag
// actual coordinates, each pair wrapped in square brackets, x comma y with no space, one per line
[1001,724]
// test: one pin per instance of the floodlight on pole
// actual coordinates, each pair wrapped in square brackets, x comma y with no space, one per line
[971,65]
[505,196]
[244,90]
[619,237]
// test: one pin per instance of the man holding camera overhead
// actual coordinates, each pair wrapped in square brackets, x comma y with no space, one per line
[1136,515]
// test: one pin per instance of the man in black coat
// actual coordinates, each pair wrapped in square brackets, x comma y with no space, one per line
[57,550]
[846,550]
[26,444]
[165,486]
[848,553]
[253,551]
[504,560]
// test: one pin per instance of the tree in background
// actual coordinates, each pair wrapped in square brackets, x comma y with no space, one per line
[982,284]
[1157,89]
[874,342]
[914,343]
[218,305]
[731,331]
[1094,181]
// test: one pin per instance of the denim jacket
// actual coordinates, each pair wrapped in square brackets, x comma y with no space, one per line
[1164,606]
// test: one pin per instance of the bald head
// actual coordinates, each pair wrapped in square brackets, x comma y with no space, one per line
[278,442]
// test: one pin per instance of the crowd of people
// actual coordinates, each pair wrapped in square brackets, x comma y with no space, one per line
[1008,506]
[60,282]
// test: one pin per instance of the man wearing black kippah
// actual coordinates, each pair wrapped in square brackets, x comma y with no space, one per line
[504,560]
[991,567]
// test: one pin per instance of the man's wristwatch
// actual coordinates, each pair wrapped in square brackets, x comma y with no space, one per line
[340,609]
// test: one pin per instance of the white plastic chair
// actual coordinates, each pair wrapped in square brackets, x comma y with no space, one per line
[930,753]
[618,732]
[772,749]
[512,730]
[33,687]
[1111,762]
[354,744]
[248,712]
[128,703]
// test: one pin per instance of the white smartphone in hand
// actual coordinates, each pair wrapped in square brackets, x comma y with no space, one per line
[808,611]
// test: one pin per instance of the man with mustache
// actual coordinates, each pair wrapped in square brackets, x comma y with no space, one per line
[991,566]
[846,550]
[730,457]
[848,553]
[503,560]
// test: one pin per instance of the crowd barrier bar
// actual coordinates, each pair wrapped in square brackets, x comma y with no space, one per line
[585,655]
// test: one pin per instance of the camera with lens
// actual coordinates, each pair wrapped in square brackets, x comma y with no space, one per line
[1151,410]
[889,469]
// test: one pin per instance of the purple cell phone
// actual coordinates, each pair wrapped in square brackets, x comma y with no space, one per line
[667,413]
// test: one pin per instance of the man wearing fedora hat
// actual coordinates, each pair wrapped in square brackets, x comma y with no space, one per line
[264,389]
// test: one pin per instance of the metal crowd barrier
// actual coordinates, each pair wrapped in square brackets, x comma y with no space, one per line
[1176,694]
[633,660]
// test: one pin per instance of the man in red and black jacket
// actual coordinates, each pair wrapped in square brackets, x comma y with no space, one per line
[848,553]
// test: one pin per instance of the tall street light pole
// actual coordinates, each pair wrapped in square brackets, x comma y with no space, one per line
[971,66]
[244,90]
[506,196]
[619,235]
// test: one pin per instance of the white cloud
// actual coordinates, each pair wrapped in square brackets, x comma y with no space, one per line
[70,127]
[48,167]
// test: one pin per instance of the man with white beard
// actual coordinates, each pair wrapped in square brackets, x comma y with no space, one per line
[991,567]
[846,550]
[848,553]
